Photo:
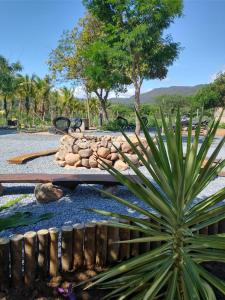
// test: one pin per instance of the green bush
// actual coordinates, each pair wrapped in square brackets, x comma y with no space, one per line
[173,270]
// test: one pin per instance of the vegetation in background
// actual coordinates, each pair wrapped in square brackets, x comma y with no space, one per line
[134,31]
[211,95]
[173,270]
[83,57]
[8,82]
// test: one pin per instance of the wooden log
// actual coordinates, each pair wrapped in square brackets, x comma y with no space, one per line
[4,264]
[67,248]
[16,244]
[204,231]
[89,246]
[144,247]
[134,247]
[124,235]
[43,252]
[30,263]
[213,229]
[21,159]
[221,226]
[113,248]
[53,252]
[101,244]
[78,246]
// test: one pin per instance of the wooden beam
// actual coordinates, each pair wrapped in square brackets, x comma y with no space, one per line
[21,159]
[60,178]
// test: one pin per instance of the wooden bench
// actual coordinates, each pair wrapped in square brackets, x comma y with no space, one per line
[61,179]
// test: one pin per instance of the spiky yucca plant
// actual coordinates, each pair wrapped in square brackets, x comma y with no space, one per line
[172,271]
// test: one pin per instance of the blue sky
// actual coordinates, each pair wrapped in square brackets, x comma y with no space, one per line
[29,29]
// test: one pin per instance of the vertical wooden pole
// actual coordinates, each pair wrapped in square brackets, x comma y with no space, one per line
[67,248]
[144,247]
[53,252]
[101,244]
[213,229]
[113,248]
[204,231]
[78,246]
[16,244]
[134,247]
[43,252]
[89,246]
[4,263]
[30,263]
[124,235]
[221,226]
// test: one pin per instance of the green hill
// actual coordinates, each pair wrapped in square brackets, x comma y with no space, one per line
[149,97]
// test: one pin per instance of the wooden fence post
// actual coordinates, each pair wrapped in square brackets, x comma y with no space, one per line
[43,252]
[78,246]
[144,247]
[124,235]
[204,231]
[16,244]
[89,246]
[113,248]
[53,252]
[30,263]
[221,226]
[4,264]
[67,247]
[134,247]
[101,244]
[213,229]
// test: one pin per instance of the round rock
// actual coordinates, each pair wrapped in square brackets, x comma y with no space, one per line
[103,152]
[47,192]
[72,158]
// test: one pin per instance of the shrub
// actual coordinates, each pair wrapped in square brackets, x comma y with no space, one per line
[174,269]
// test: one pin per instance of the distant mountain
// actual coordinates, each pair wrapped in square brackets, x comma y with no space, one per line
[149,97]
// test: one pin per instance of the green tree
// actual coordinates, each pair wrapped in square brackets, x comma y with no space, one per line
[207,97]
[135,30]
[219,85]
[26,87]
[42,95]
[68,101]
[173,101]
[8,81]
[84,57]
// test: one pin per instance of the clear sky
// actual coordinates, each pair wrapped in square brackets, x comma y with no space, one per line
[29,29]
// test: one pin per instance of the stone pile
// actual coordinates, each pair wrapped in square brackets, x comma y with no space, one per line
[79,150]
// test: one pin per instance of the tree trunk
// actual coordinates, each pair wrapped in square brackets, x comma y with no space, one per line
[137,104]
[5,106]
[104,110]
[27,105]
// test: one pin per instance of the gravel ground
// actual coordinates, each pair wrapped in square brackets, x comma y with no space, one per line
[71,208]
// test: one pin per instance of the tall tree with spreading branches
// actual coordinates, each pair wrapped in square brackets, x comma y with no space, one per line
[135,30]
[83,56]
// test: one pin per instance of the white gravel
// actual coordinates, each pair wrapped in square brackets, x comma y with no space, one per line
[71,208]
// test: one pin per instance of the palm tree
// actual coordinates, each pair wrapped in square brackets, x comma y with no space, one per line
[68,99]
[8,81]
[43,89]
[26,89]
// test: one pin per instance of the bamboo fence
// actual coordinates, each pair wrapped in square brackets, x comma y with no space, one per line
[50,252]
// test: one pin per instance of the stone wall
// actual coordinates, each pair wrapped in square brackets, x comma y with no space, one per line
[79,150]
